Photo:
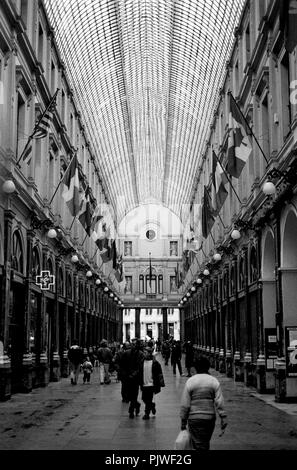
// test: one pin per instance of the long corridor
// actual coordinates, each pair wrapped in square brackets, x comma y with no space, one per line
[93,417]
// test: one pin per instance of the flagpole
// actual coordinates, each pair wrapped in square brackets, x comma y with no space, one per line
[60,182]
[37,124]
[261,150]
[72,222]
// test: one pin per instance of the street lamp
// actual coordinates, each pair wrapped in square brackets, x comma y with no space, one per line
[89,274]
[8,187]
[193,289]
[106,289]
[235,235]
[269,188]
[52,233]
[217,257]
[206,272]
[98,282]
[74,259]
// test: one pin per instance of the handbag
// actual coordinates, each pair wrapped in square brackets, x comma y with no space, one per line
[183,441]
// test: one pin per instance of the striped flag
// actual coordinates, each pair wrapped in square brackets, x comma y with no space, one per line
[41,129]
[239,143]
[219,180]
[207,214]
[86,212]
[71,191]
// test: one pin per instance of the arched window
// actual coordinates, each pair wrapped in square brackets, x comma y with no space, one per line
[253,265]
[241,274]
[61,282]
[232,280]
[35,262]
[160,284]
[151,284]
[81,293]
[141,284]
[17,255]
[69,286]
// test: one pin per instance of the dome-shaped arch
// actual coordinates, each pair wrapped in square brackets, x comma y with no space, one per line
[289,237]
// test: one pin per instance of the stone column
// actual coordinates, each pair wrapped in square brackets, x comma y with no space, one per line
[137,322]
[165,322]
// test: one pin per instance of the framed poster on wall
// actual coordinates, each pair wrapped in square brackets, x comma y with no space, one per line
[270,348]
[291,351]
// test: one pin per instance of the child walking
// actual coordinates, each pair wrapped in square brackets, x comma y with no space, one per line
[87,370]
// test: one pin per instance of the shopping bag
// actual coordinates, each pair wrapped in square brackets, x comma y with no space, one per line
[183,441]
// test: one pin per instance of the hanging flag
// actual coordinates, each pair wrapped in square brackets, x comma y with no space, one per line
[114,255]
[71,191]
[150,273]
[86,212]
[219,180]
[288,23]
[119,270]
[96,218]
[40,130]
[105,251]
[239,142]
[207,214]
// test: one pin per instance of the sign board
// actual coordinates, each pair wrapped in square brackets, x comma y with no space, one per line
[291,351]
[270,348]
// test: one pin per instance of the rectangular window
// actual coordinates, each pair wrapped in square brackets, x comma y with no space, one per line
[285,96]
[173,248]
[127,248]
[173,287]
[171,329]
[21,114]
[128,287]
[40,44]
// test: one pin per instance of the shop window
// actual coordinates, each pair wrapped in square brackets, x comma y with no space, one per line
[253,265]
[151,284]
[69,286]
[35,263]
[61,282]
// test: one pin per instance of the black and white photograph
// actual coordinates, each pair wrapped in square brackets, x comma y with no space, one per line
[148,228]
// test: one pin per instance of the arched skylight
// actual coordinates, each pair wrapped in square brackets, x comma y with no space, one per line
[146,76]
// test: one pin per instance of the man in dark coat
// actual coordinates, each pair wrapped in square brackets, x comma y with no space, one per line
[151,381]
[121,374]
[75,356]
[176,355]
[130,366]
[189,359]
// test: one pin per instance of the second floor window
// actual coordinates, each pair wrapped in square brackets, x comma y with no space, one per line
[173,287]
[173,249]
[128,287]
[127,248]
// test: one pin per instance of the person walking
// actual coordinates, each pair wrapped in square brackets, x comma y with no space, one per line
[104,357]
[201,398]
[189,359]
[121,373]
[130,365]
[75,356]
[151,381]
[166,352]
[87,369]
[176,355]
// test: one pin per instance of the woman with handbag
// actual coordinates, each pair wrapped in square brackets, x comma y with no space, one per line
[201,399]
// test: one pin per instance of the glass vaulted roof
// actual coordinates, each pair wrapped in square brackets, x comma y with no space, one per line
[146,76]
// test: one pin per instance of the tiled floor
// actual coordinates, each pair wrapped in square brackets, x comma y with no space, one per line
[92,417]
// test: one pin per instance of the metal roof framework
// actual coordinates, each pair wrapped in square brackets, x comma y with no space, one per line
[146,76]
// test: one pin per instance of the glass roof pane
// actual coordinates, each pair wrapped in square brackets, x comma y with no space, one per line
[146,75]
